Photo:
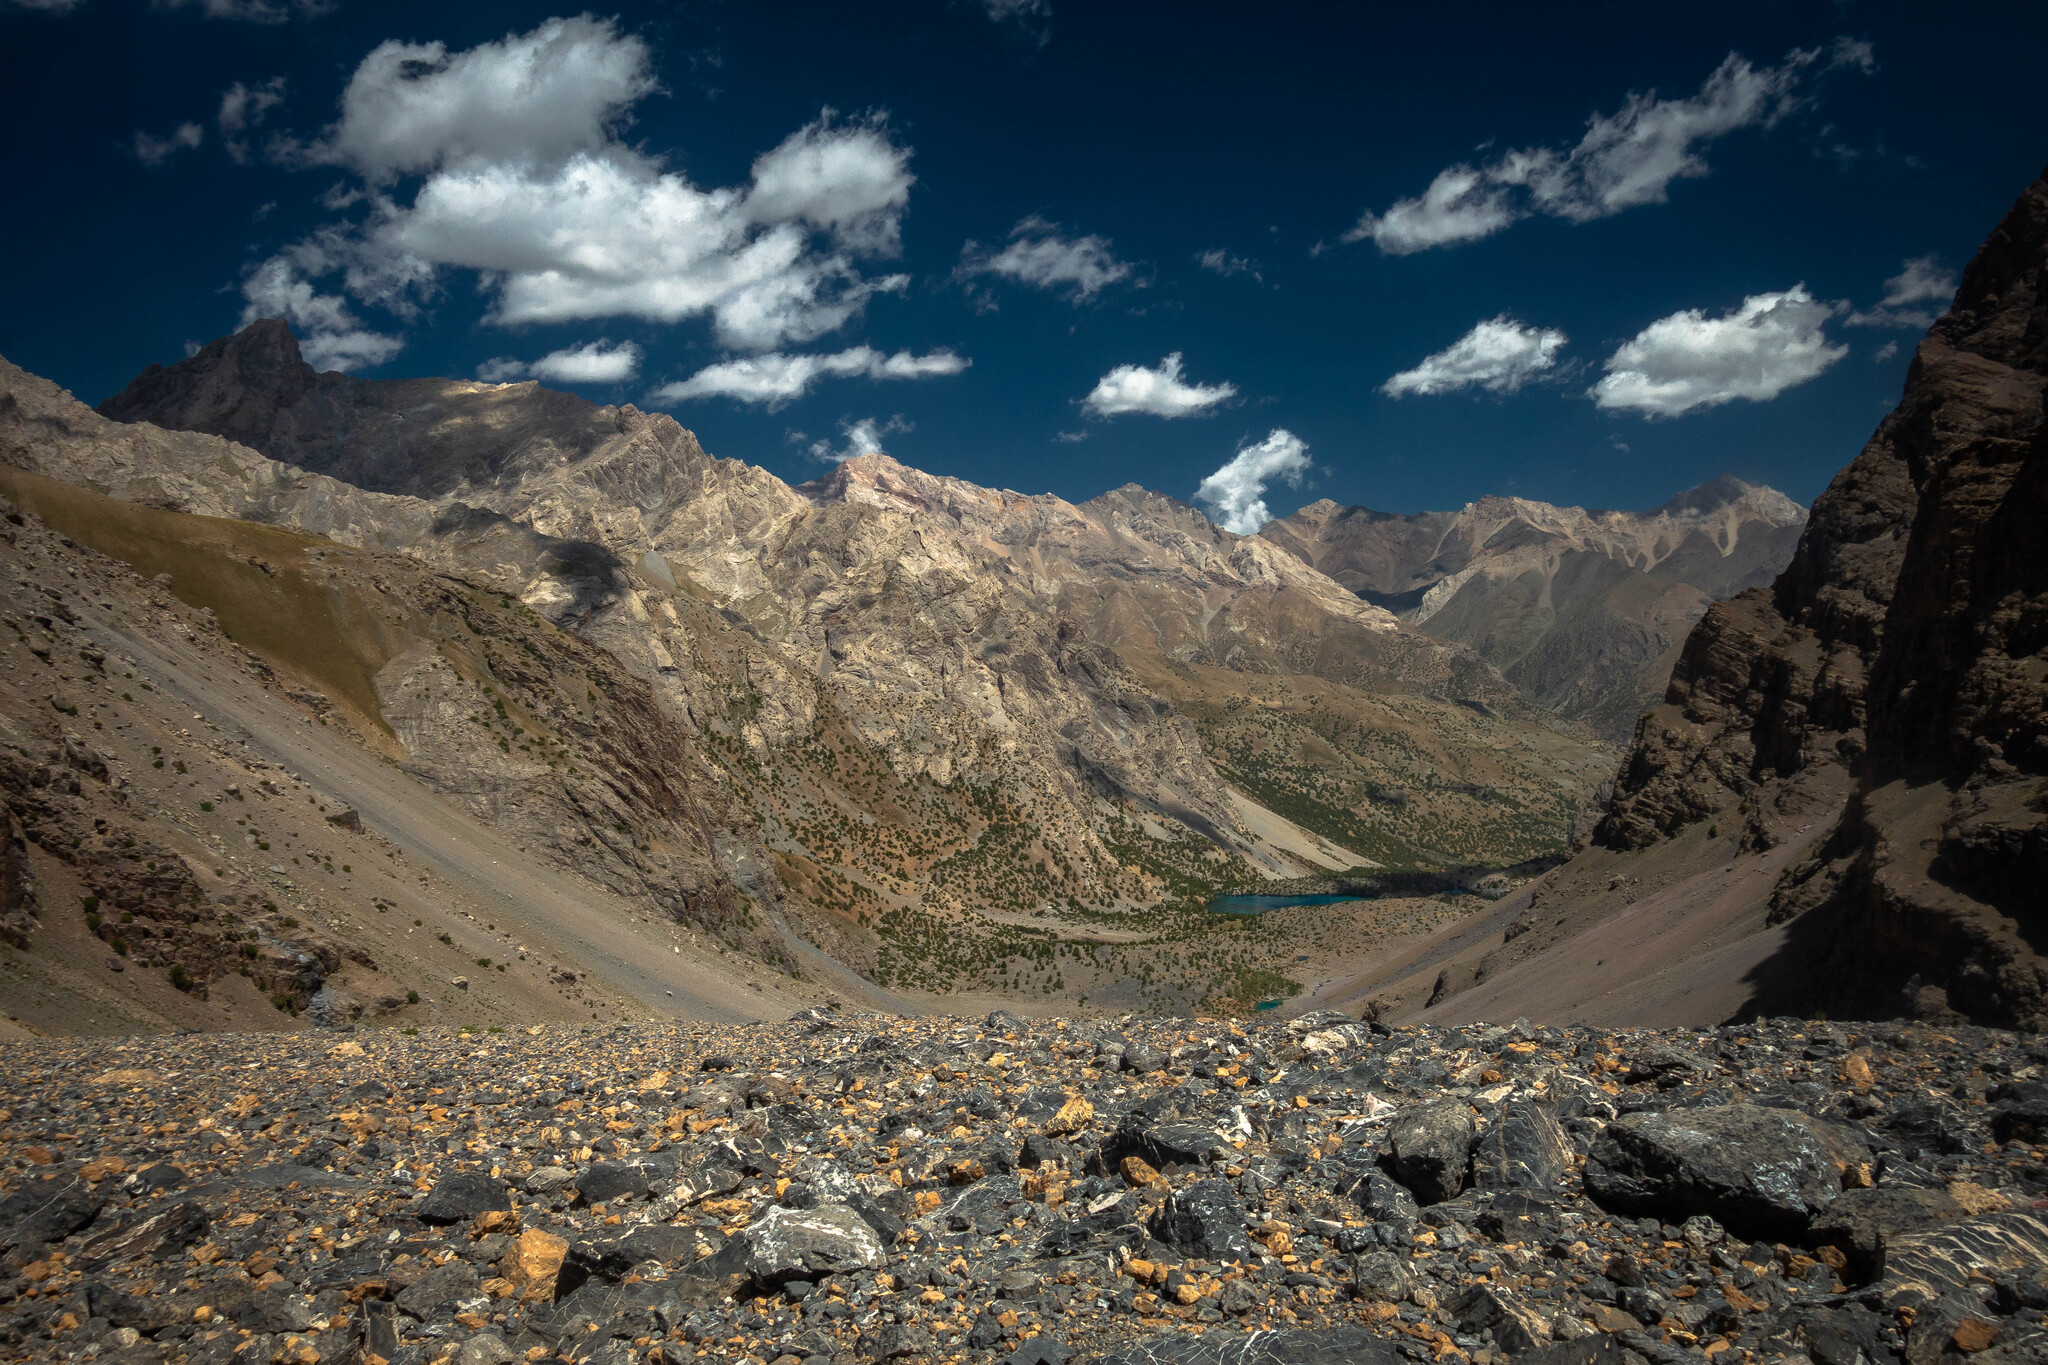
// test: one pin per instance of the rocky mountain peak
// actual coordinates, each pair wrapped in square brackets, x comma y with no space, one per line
[1729,492]
[233,387]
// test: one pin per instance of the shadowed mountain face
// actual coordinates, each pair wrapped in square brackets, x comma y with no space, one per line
[1582,611]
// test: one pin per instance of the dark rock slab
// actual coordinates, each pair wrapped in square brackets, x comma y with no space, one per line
[164,1231]
[47,1211]
[604,1181]
[2019,1111]
[461,1197]
[1927,1265]
[1762,1172]
[438,1291]
[802,1244]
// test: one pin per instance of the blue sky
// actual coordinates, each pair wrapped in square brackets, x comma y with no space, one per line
[1403,259]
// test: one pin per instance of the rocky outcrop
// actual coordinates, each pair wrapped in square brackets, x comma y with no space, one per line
[1903,650]
[1582,610]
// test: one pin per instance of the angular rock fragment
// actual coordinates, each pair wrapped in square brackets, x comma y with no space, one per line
[1523,1150]
[1205,1220]
[1860,1223]
[1430,1149]
[792,1244]
[461,1197]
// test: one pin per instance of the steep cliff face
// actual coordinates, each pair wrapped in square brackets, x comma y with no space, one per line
[1583,611]
[1902,651]
[1940,903]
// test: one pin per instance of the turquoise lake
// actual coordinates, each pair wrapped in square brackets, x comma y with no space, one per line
[1259,905]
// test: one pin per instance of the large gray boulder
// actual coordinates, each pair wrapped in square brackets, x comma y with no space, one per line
[1764,1173]
[802,1244]
[1430,1150]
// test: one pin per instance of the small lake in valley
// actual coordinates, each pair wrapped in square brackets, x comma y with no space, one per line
[1259,905]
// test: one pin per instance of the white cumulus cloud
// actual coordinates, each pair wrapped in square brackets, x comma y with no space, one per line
[1498,355]
[595,362]
[1624,160]
[1236,493]
[775,379]
[243,109]
[1689,360]
[1923,281]
[524,178]
[154,151]
[529,99]
[863,437]
[1040,254]
[1157,393]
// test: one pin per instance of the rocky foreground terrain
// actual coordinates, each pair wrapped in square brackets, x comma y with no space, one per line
[847,1189]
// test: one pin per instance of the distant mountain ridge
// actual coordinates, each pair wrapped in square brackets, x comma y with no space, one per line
[1582,610]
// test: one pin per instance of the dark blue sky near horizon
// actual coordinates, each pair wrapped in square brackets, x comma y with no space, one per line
[1123,139]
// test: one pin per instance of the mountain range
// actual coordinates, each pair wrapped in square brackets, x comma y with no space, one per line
[1583,611]
[894,737]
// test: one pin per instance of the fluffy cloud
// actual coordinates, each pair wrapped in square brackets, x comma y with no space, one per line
[1498,355]
[1158,393]
[252,11]
[1039,254]
[1922,281]
[596,362]
[1624,160]
[154,151]
[1236,493]
[525,180]
[243,109]
[863,437]
[529,100]
[776,379]
[1689,360]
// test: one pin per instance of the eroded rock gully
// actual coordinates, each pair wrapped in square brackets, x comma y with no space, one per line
[844,1189]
